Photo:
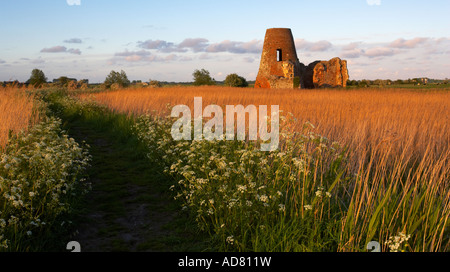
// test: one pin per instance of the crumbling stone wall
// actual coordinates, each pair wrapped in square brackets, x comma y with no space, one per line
[280,67]
[325,74]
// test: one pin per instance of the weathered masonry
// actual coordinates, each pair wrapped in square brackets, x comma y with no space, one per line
[281,68]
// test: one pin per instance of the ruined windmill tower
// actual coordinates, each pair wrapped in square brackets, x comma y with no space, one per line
[279,67]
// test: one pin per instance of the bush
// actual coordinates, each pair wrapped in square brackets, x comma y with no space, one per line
[155,84]
[234,80]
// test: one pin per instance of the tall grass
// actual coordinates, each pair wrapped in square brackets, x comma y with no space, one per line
[41,170]
[362,119]
[18,111]
[391,185]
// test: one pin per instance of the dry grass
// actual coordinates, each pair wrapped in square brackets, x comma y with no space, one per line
[361,119]
[398,151]
[17,112]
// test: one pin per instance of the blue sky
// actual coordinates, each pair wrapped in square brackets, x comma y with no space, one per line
[168,40]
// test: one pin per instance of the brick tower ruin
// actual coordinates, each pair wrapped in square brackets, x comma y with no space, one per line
[281,68]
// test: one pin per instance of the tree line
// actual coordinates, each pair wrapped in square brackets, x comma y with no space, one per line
[120,79]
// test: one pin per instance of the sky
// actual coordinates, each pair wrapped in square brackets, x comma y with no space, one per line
[168,40]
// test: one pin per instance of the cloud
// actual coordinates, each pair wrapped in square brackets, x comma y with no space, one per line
[254,46]
[248,59]
[145,56]
[402,43]
[160,45]
[74,51]
[61,49]
[379,52]
[54,49]
[202,45]
[205,56]
[73,2]
[127,53]
[37,61]
[353,53]
[420,46]
[151,44]
[196,44]
[133,56]
[319,46]
[73,40]
[374,2]
[352,50]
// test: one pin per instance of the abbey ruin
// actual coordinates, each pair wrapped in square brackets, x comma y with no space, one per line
[280,67]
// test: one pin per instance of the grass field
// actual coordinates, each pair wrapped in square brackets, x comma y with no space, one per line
[18,111]
[354,166]
[362,119]
[391,181]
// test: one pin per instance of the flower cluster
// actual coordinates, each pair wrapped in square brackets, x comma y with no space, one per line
[395,242]
[232,186]
[39,176]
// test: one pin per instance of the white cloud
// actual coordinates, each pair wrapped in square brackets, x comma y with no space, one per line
[253,47]
[202,45]
[320,46]
[73,40]
[61,49]
[197,44]
[74,2]
[402,43]
[379,52]
[374,2]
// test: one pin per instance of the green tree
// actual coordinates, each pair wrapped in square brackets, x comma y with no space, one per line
[62,81]
[120,79]
[202,77]
[364,83]
[37,78]
[234,80]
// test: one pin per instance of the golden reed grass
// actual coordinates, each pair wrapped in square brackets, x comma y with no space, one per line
[362,119]
[398,150]
[17,112]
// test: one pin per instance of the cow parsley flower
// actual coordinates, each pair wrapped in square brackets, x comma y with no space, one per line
[230,239]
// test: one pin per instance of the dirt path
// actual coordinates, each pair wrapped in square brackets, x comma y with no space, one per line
[128,208]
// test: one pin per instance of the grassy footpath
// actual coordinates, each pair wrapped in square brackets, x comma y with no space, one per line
[130,207]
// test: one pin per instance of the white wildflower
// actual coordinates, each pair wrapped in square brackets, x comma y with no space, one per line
[395,242]
[307,207]
[230,239]
[264,198]
[242,188]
